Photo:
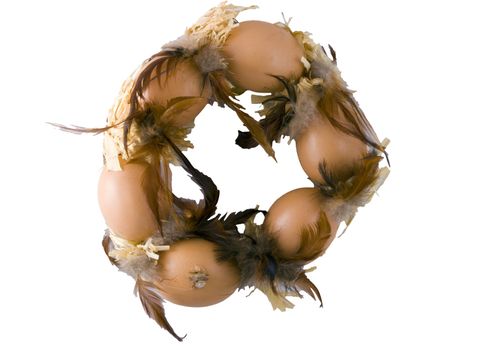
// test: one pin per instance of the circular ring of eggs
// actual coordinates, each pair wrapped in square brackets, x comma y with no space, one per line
[180,250]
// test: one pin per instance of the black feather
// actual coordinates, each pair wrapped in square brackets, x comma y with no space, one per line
[207,186]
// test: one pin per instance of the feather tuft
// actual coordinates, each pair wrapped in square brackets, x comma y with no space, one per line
[278,111]
[346,194]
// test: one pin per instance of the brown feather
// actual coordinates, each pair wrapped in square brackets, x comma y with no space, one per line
[313,239]
[305,284]
[166,188]
[278,109]
[152,302]
[363,174]
[159,122]
[224,95]
[278,114]
[152,186]
[155,62]
[75,129]
[338,105]
[170,58]
[346,194]
[157,137]
[207,186]
[178,105]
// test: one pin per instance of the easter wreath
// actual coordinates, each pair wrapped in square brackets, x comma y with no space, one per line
[180,250]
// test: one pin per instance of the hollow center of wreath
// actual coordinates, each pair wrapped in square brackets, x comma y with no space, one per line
[244,177]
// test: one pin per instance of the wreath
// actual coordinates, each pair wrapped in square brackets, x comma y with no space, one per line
[181,250]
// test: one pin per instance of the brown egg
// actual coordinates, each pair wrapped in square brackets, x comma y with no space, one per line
[190,275]
[320,141]
[255,49]
[291,213]
[123,202]
[184,80]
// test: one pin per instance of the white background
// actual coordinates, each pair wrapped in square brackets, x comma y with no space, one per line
[408,274]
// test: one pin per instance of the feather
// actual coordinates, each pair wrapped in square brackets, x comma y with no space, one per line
[361,176]
[335,101]
[152,302]
[257,257]
[333,54]
[209,59]
[154,128]
[154,63]
[278,301]
[159,122]
[166,188]
[170,58]
[231,220]
[346,194]
[304,283]
[224,95]
[151,183]
[75,129]
[278,111]
[288,86]
[337,104]
[178,105]
[314,239]
[209,189]
[275,276]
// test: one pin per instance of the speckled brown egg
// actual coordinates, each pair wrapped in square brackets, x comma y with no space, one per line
[290,213]
[321,142]
[184,80]
[255,49]
[124,204]
[190,275]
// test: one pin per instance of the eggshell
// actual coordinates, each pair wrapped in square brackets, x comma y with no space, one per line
[123,202]
[184,80]
[320,141]
[290,213]
[255,49]
[180,266]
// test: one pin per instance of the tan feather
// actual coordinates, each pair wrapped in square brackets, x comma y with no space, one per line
[178,105]
[278,300]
